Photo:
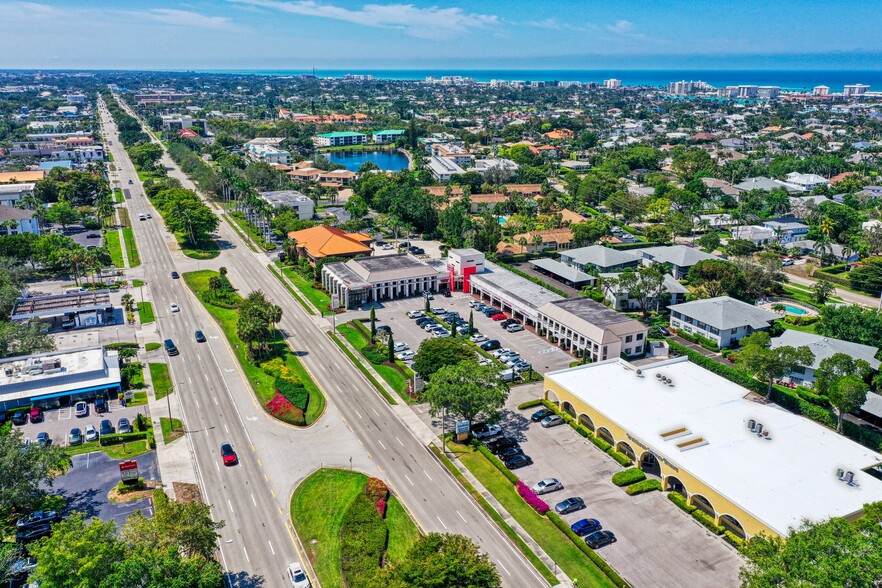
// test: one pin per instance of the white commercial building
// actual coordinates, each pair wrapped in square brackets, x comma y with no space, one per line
[753,467]
[612,84]
[505,167]
[855,90]
[10,194]
[585,327]
[443,168]
[304,205]
[268,149]
[359,281]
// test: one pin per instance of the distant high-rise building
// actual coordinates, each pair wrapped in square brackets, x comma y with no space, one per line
[820,90]
[612,84]
[569,84]
[768,92]
[855,90]
[681,88]
[748,91]
[728,92]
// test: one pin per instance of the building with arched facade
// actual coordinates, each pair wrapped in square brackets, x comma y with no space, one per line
[754,467]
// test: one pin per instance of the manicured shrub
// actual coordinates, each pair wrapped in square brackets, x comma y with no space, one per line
[603,445]
[530,498]
[151,440]
[681,501]
[607,569]
[530,404]
[381,508]
[282,409]
[621,458]
[294,392]
[276,367]
[373,355]
[117,438]
[363,537]
[123,345]
[629,476]
[499,465]
[733,540]
[376,489]
[644,486]
[706,520]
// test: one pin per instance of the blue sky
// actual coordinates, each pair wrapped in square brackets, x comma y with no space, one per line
[379,34]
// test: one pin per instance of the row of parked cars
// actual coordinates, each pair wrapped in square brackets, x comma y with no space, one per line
[509,451]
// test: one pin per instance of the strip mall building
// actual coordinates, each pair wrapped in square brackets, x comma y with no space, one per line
[754,467]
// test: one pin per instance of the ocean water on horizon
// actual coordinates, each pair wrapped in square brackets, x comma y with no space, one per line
[786,79]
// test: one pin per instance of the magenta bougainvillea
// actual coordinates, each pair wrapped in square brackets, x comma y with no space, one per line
[376,489]
[530,498]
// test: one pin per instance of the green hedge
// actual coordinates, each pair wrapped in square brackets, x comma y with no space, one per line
[839,280]
[644,486]
[637,245]
[733,540]
[716,367]
[623,459]
[117,438]
[583,547]
[499,465]
[530,404]
[603,445]
[866,437]
[371,353]
[699,340]
[706,520]
[629,476]
[363,537]
[123,345]
[681,501]
[295,393]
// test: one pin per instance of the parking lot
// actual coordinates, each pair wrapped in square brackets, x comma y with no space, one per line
[657,544]
[86,484]
[59,421]
[540,353]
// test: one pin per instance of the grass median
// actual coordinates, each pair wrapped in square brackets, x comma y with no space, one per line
[145,312]
[131,248]
[319,299]
[557,545]
[171,429]
[162,383]
[263,384]
[318,507]
[207,249]
[114,248]
[392,375]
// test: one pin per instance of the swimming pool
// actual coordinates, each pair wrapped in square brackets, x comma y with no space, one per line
[795,310]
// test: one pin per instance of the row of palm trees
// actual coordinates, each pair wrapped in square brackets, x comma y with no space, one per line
[236,191]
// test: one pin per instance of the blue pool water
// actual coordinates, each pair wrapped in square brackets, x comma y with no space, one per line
[353,160]
[794,310]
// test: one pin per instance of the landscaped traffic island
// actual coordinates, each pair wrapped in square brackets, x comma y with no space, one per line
[280,382]
[350,527]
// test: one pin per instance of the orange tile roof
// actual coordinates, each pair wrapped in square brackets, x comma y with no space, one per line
[322,241]
[559,134]
[839,177]
[568,216]
[20,177]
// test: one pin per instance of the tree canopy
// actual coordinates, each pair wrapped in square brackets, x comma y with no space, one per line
[759,358]
[433,354]
[467,390]
[443,560]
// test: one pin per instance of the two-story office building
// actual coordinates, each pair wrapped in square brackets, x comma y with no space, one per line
[723,320]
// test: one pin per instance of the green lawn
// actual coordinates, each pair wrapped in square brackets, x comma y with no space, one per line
[131,248]
[802,328]
[557,545]
[261,382]
[204,250]
[145,312]
[171,429]
[317,509]
[111,241]
[153,346]
[138,283]
[120,451]
[140,399]
[363,370]
[392,376]
[250,230]
[321,300]
[299,298]
[802,293]
[162,383]
[118,196]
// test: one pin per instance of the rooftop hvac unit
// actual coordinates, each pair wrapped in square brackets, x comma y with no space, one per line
[639,373]
[751,424]
[759,428]
[670,382]
[658,376]
[849,477]
[840,473]
[8,372]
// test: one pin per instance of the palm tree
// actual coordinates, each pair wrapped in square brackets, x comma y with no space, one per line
[826,226]
[823,246]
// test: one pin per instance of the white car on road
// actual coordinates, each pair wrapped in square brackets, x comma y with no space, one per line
[297,576]
[175,308]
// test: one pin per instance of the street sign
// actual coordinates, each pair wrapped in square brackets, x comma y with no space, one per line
[128,470]
[462,427]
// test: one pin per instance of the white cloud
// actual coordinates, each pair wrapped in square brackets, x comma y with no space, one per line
[27,10]
[428,23]
[621,27]
[548,23]
[185,18]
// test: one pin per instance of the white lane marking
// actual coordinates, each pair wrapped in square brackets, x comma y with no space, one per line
[189,379]
[197,403]
[226,428]
[399,441]
[255,502]
[375,411]
[216,466]
[462,517]
[358,413]
[428,476]
[408,479]
[230,503]
[274,551]
[384,447]
[442,522]
[206,377]
[215,401]
[503,567]
[248,559]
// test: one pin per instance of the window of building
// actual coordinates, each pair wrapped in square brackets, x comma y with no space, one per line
[628,351]
[628,338]
[639,336]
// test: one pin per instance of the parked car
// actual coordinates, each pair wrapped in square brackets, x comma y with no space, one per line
[22,567]
[175,275]
[406,355]
[174,307]
[386,328]
[787,261]
[490,311]
[485,361]
[416,314]
[33,533]
[499,316]
[91,433]
[131,182]
[473,303]
[200,337]
[100,405]
[297,577]
[170,347]
[510,452]
[599,539]
[124,426]
[512,360]
[547,485]
[506,322]
[439,310]
[20,418]
[500,352]
[424,321]
[478,338]
[485,431]
[518,461]
[228,456]
[552,421]
[40,517]
[569,505]
[514,328]
[81,408]
[585,527]
[75,437]
[498,445]
[106,427]
[93,236]
[36,415]
[43,439]
[490,345]
[441,334]
[522,366]
[401,347]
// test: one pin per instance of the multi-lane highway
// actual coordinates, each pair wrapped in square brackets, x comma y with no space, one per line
[433,497]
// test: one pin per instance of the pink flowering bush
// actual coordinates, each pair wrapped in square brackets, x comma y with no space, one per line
[381,508]
[530,498]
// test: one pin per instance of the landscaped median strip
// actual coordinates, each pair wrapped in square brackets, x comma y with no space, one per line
[362,368]
[290,289]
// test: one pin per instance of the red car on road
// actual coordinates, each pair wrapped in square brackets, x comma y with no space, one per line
[228,455]
[500,316]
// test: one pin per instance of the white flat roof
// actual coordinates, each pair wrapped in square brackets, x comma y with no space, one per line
[781,480]
[39,376]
